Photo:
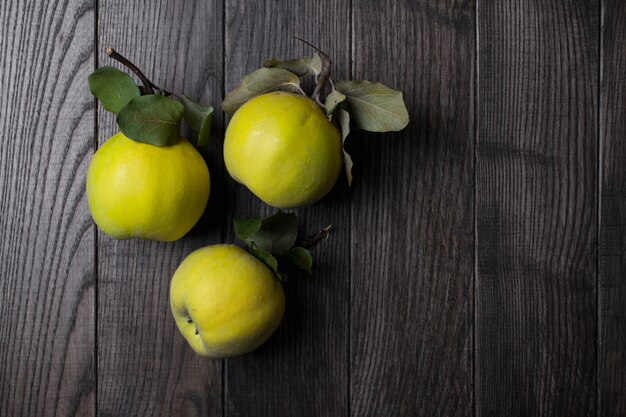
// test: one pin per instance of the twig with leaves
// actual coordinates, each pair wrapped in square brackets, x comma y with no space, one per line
[148,114]
[367,105]
[273,240]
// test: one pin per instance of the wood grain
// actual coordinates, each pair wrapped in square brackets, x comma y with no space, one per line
[537,208]
[302,370]
[478,263]
[145,367]
[46,235]
[612,245]
[412,255]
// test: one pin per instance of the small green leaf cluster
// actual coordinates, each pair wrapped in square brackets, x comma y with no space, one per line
[273,241]
[149,115]
[370,106]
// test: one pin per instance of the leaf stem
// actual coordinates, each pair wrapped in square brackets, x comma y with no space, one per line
[148,85]
[310,241]
[324,73]
[301,90]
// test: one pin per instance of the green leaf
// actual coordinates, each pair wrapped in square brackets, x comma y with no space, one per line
[333,99]
[198,117]
[275,234]
[344,122]
[260,82]
[299,258]
[152,119]
[308,65]
[278,233]
[113,88]
[267,258]
[374,107]
[246,228]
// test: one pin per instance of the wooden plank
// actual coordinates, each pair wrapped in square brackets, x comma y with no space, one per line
[46,234]
[144,365]
[612,245]
[412,214]
[537,208]
[302,370]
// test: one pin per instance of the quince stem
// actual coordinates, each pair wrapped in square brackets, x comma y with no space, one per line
[324,73]
[310,241]
[148,85]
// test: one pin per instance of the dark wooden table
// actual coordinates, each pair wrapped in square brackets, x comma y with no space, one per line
[478,267]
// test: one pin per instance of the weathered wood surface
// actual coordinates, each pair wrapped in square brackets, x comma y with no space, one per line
[536,208]
[612,244]
[46,235]
[478,263]
[412,205]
